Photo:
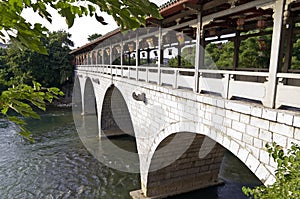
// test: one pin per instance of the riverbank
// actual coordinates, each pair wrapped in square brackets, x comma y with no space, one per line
[64,102]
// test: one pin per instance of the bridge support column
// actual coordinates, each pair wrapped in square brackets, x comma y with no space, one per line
[188,173]
[275,53]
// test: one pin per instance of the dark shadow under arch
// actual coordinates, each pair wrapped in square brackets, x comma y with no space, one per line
[189,172]
[115,116]
[90,105]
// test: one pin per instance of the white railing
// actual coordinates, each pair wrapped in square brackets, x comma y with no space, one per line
[288,90]
[225,83]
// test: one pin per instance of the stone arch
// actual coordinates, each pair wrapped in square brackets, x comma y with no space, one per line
[87,123]
[89,98]
[77,97]
[115,115]
[117,132]
[184,172]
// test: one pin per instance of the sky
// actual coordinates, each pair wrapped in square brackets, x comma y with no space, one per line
[82,28]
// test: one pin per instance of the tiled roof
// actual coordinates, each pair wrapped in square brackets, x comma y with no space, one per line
[167,4]
[95,42]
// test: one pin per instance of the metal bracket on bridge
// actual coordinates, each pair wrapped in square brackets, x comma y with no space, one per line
[139,97]
[96,80]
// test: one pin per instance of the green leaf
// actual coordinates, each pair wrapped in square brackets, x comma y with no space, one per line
[26,134]
[16,120]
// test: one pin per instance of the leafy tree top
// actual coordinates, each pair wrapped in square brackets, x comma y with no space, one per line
[94,36]
[128,14]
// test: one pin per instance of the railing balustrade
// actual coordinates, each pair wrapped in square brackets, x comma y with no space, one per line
[225,83]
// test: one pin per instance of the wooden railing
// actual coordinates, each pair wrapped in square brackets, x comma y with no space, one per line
[225,83]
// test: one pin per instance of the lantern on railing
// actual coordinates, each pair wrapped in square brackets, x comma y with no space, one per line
[101,53]
[107,51]
[170,51]
[143,54]
[118,48]
[167,39]
[261,43]
[131,47]
[180,37]
[94,56]
[150,42]
[240,22]
[212,32]
[261,24]
[155,53]
[143,44]
[81,60]
[87,58]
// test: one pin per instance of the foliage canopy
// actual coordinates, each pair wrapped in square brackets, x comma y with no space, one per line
[24,66]
[128,14]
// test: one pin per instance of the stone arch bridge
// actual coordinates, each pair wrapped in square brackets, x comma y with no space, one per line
[207,124]
[159,84]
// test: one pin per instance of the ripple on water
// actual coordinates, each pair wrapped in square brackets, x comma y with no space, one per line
[57,165]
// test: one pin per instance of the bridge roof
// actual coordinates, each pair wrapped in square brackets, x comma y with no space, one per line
[94,43]
[221,17]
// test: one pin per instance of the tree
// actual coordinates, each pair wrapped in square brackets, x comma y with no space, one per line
[128,14]
[50,70]
[287,184]
[93,36]
[219,56]
[295,64]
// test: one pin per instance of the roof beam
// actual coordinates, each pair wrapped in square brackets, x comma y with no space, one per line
[236,9]
[206,6]
[179,15]
[192,6]
[155,22]
[215,3]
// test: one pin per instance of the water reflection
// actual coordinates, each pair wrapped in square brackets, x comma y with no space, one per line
[57,165]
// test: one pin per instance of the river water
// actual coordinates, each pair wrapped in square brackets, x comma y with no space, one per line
[57,165]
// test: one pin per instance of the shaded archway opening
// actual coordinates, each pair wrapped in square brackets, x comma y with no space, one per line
[188,172]
[116,123]
[235,175]
[90,105]
[192,172]
[89,114]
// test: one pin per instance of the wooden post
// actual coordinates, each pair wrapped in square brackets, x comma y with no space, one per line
[122,49]
[137,55]
[110,59]
[237,43]
[199,52]
[103,60]
[159,55]
[179,55]
[289,46]
[148,56]
[275,52]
